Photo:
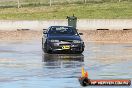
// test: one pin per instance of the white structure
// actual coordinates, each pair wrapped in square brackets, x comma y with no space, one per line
[88,24]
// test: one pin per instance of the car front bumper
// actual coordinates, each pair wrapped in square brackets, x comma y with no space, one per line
[73,47]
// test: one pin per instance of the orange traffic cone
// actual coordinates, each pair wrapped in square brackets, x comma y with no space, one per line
[84,74]
[84,80]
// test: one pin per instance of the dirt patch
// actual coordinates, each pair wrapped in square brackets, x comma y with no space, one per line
[89,35]
[107,35]
[20,35]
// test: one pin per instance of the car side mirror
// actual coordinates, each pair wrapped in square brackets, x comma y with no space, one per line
[44,32]
[44,29]
[80,33]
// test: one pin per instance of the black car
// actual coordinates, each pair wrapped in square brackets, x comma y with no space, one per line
[62,39]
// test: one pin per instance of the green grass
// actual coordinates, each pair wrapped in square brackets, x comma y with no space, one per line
[107,10]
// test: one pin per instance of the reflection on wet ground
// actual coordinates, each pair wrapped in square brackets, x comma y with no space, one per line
[24,65]
[63,60]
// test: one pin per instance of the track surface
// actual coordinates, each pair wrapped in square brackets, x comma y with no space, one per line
[23,65]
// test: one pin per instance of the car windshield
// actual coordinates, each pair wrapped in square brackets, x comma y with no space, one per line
[62,31]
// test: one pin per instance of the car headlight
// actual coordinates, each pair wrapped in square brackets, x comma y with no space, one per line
[54,40]
[77,41]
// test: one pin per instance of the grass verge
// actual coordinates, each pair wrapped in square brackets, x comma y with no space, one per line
[107,10]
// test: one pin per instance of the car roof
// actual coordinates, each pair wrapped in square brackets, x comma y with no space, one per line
[61,26]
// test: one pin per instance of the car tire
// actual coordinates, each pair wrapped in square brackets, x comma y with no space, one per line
[81,51]
[46,50]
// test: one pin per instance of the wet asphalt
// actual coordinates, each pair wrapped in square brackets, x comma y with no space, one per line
[24,65]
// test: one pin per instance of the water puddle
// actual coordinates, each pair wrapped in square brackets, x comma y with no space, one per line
[24,65]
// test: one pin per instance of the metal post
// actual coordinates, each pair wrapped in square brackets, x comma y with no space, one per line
[18,3]
[54,19]
[85,1]
[50,2]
